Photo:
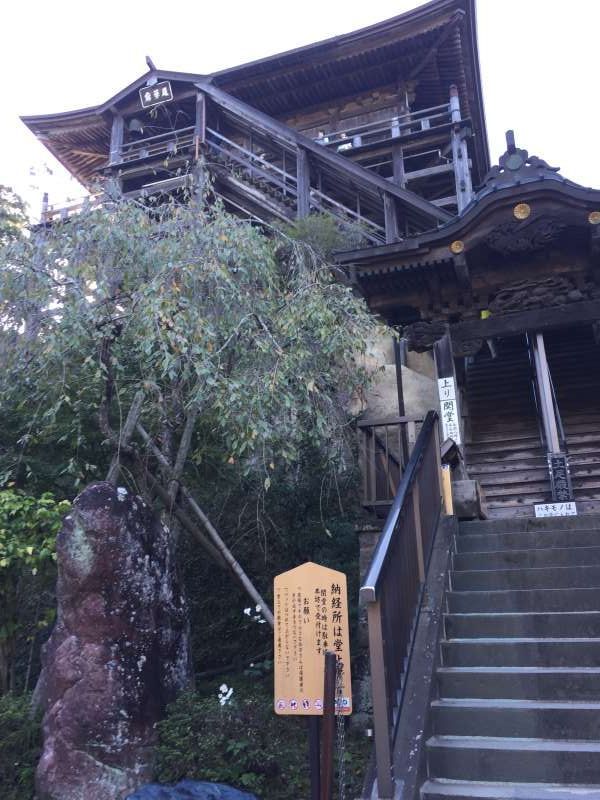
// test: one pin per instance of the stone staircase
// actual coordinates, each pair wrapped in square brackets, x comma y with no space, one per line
[517,713]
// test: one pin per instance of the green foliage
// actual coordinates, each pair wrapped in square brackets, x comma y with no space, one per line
[197,309]
[20,747]
[244,744]
[13,218]
[28,528]
[326,235]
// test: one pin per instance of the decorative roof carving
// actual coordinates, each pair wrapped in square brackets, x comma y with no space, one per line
[525,236]
[517,165]
[553,291]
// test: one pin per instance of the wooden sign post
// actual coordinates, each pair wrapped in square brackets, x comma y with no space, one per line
[311,619]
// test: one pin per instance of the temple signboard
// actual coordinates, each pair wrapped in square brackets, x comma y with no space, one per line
[449,410]
[160,92]
[560,477]
[311,617]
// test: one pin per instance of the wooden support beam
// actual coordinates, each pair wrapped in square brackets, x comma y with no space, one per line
[427,172]
[390,213]
[303,183]
[116,139]
[461,270]
[538,319]
[200,124]
[398,165]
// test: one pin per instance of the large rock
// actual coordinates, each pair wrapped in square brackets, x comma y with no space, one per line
[119,651]
[190,790]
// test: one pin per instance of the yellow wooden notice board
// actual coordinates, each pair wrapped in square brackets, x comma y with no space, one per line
[311,617]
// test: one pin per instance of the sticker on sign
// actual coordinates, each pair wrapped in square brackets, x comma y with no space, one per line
[556,510]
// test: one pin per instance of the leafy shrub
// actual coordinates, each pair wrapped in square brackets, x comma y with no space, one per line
[20,747]
[244,744]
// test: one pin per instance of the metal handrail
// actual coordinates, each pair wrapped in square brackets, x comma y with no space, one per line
[394,588]
[368,591]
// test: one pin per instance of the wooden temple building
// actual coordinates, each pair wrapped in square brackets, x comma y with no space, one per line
[491,275]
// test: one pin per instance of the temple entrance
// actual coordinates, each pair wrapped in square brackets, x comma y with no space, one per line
[527,396]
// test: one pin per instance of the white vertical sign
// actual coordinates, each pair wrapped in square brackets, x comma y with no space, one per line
[449,409]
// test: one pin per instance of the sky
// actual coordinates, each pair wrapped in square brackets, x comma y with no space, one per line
[538,64]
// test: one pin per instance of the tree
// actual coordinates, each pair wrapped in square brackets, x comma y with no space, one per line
[191,336]
[13,216]
[28,528]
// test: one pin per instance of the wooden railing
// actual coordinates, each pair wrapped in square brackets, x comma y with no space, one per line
[277,175]
[394,127]
[168,143]
[385,447]
[393,586]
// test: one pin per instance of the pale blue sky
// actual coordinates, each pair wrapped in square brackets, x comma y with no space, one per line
[538,61]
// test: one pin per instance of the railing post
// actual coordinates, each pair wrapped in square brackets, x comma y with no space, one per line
[381,713]
[416,502]
[303,183]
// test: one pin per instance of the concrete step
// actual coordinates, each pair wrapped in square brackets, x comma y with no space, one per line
[526,578]
[441,789]
[579,624]
[519,600]
[533,682]
[582,522]
[542,719]
[527,540]
[537,557]
[521,652]
[507,511]
[511,759]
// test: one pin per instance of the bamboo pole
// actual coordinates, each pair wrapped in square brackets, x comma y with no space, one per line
[220,545]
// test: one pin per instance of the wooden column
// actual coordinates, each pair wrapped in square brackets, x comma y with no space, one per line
[116,139]
[200,124]
[398,165]
[460,155]
[303,183]
[392,233]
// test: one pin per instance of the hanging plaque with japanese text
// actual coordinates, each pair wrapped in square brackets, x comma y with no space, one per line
[311,617]
[156,94]
[449,409]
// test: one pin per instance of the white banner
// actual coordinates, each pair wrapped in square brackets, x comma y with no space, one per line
[449,410]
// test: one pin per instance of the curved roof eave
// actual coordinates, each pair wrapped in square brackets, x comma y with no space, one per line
[460,224]
[97,111]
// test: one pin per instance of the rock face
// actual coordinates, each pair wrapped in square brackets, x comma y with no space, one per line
[190,790]
[118,653]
